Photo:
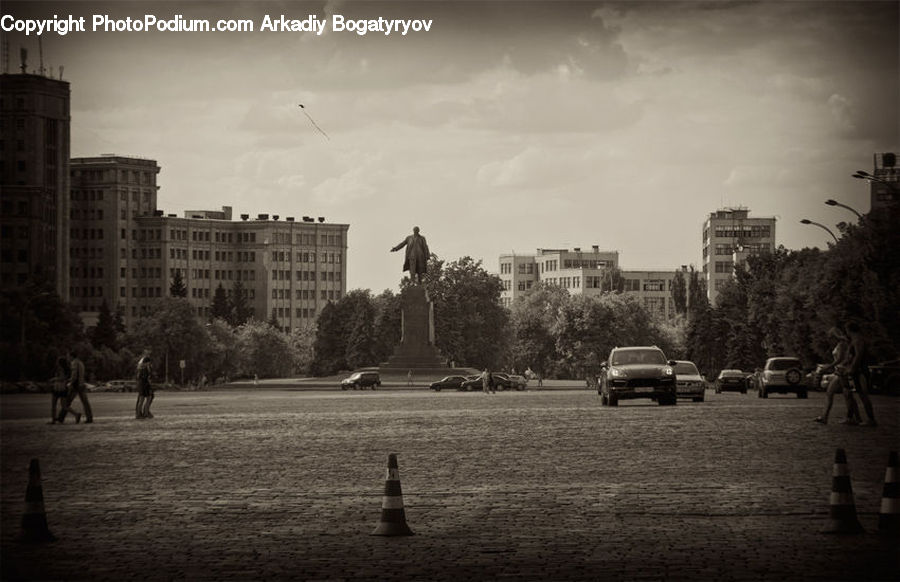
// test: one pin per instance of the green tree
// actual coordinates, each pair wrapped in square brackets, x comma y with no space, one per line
[533,317]
[172,332]
[679,292]
[178,288]
[104,333]
[471,327]
[267,351]
[220,308]
[357,310]
[330,345]
[302,341]
[240,310]
[388,321]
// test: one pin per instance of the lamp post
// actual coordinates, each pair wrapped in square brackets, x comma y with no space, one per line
[822,226]
[864,175]
[831,202]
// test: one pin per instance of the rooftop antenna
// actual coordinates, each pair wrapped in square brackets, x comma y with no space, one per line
[40,57]
[61,67]
[23,55]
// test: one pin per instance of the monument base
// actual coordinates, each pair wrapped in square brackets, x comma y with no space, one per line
[416,350]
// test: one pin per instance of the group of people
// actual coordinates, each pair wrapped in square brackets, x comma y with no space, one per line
[69,382]
[849,365]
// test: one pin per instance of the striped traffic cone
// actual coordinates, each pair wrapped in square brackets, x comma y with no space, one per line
[34,521]
[889,516]
[393,516]
[843,508]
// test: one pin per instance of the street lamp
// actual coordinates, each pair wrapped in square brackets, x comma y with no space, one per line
[831,202]
[864,175]
[822,226]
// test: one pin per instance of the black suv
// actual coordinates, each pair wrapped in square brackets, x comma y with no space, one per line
[361,380]
[637,372]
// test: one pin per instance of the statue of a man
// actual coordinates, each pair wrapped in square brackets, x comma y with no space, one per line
[417,254]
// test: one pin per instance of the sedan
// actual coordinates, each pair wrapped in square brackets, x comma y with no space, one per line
[731,380]
[688,381]
[450,382]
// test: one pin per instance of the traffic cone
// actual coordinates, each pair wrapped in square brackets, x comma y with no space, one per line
[393,516]
[843,508]
[889,516]
[34,521]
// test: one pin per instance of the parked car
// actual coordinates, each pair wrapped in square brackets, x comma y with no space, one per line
[731,381]
[116,386]
[637,372]
[782,375]
[688,382]
[471,383]
[886,377]
[449,382]
[361,380]
[506,381]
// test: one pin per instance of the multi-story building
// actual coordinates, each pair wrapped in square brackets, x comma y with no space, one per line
[287,269]
[34,181]
[729,235]
[584,273]
[885,182]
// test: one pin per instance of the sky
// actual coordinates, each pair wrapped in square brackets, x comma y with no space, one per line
[506,127]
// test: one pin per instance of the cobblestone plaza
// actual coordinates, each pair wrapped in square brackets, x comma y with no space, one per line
[540,485]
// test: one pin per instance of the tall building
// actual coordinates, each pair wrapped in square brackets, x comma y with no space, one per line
[34,181]
[287,269]
[584,273]
[884,187]
[729,236]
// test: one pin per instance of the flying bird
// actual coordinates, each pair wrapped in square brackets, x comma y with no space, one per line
[313,121]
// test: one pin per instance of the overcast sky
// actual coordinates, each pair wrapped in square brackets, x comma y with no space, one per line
[505,128]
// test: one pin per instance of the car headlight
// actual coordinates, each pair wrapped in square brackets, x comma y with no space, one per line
[668,371]
[617,373]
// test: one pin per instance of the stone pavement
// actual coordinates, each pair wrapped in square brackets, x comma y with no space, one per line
[272,485]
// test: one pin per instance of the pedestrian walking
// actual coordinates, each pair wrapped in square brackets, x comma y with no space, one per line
[487,382]
[77,387]
[60,390]
[858,368]
[145,388]
[409,378]
[839,381]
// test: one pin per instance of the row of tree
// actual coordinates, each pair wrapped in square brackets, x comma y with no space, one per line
[782,303]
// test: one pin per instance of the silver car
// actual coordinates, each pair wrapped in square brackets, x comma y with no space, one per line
[688,381]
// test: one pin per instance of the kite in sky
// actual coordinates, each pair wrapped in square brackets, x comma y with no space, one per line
[313,121]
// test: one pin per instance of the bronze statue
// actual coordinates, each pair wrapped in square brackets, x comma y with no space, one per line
[417,254]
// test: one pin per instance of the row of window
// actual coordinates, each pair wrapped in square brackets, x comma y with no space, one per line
[87,272]
[86,292]
[7,255]
[86,234]
[86,195]
[152,272]
[281,275]
[306,257]
[128,176]
[86,214]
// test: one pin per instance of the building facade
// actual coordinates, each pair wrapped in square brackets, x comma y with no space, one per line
[884,188]
[127,252]
[585,273]
[34,181]
[729,236]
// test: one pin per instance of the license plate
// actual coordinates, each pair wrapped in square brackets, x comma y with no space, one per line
[641,389]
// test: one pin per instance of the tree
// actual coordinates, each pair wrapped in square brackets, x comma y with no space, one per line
[696,293]
[172,332]
[533,317]
[240,311]
[613,280]
[178,288]
[357,309]
[471,327]
[104,333]
[330,345]
[267,351]
[388,321]
[220,308]
[679,292]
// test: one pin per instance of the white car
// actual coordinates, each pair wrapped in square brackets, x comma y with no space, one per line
[688,381]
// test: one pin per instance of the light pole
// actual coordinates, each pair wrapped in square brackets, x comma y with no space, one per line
[831,202]
[864,175]
[822,226]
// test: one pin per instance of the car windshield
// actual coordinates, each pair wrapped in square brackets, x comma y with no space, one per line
[785,364]
[626,357]
[686,368]
[731,373]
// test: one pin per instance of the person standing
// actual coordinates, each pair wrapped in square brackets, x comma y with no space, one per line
[145,389]
[409,378]
[858,369]
[487,382]
[60,390]
[77,387]
[839,381]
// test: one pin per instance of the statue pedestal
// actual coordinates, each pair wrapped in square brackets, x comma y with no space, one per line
[416,351]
